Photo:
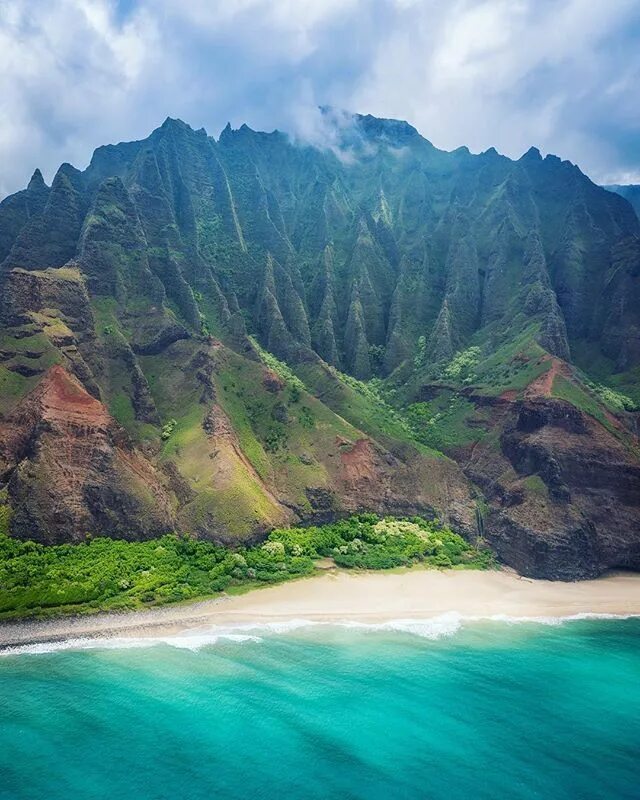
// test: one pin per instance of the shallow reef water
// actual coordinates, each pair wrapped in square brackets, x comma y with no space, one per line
[445,708]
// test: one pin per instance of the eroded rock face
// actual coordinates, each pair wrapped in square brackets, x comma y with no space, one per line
[52,309]
[71,470]
[567,502]
[371,478]
[28,292]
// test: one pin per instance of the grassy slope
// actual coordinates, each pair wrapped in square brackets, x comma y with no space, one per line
[363,407]
[278,446]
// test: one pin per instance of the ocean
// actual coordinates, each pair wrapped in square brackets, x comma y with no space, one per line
[439,709]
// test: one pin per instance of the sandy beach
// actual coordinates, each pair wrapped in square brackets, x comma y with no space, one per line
[358,597]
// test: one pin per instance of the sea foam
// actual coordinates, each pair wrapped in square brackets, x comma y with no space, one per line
[194,639]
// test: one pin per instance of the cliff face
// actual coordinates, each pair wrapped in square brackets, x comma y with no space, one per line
[72,469]
[563,492]
[174,275]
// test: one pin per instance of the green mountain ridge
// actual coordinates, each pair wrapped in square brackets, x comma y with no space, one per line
[630,192]
[263,331]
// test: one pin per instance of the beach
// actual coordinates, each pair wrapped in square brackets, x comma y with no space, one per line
[370,598]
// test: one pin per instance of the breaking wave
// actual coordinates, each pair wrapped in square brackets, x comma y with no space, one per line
[194,639]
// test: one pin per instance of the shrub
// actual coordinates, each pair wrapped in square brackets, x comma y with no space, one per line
[167,429]
[610,397]
[103,573]
[461,366]
[273,548]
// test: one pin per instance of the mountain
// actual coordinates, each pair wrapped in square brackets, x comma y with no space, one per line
[219,337]
[630,192]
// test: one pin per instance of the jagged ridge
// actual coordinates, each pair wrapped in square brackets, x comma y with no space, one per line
[144,274]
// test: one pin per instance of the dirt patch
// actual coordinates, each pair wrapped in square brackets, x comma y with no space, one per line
[272,382]
[359,463]
[543,386]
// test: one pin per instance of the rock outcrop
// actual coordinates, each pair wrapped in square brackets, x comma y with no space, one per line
[563,491]
[72,471]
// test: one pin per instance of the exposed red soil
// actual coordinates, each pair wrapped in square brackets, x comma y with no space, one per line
[359,464]
[61,396]
[272,382]
[543,386]
[72,468]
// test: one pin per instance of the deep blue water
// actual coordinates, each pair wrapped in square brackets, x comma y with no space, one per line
[493,711]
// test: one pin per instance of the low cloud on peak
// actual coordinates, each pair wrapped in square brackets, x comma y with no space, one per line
[564,76]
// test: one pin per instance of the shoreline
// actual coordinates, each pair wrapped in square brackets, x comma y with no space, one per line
[347,597]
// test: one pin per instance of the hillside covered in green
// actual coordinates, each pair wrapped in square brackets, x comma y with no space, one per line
[227,336]
[630,192]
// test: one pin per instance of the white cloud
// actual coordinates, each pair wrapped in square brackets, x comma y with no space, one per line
[511,73]
[561,74]
[69,74]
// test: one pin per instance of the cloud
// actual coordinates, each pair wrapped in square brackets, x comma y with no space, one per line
[561,74]
[69,74]
[511,73]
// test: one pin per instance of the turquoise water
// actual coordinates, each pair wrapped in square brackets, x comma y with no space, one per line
[493,711]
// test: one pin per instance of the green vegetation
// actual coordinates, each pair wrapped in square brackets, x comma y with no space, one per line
[591,403]
[462,365]
[121,409]
[582,400]
[279,367]
[362,404]
[36,580]
[167,429]
[616,401]
[535,485]
[368,542]
[420,358]
[514,365]
[445,423]
[376,357]
[600,372]
[236,386]
[5,515]
[12,387]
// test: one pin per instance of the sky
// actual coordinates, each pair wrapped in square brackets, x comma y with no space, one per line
[563,75]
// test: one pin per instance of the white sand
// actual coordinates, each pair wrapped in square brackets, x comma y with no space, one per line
[364,597]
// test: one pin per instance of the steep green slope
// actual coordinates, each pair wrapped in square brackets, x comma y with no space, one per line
[630,192]
[283,332]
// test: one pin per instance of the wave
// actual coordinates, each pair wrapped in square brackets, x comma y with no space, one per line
[194,639]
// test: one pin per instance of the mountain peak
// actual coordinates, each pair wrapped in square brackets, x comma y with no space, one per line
[66,171]
[175,124]
[37,181]
[397,130]
[226,134]
[532,154]
[355,130]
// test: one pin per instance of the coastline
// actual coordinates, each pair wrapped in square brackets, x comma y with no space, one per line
[340,596]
